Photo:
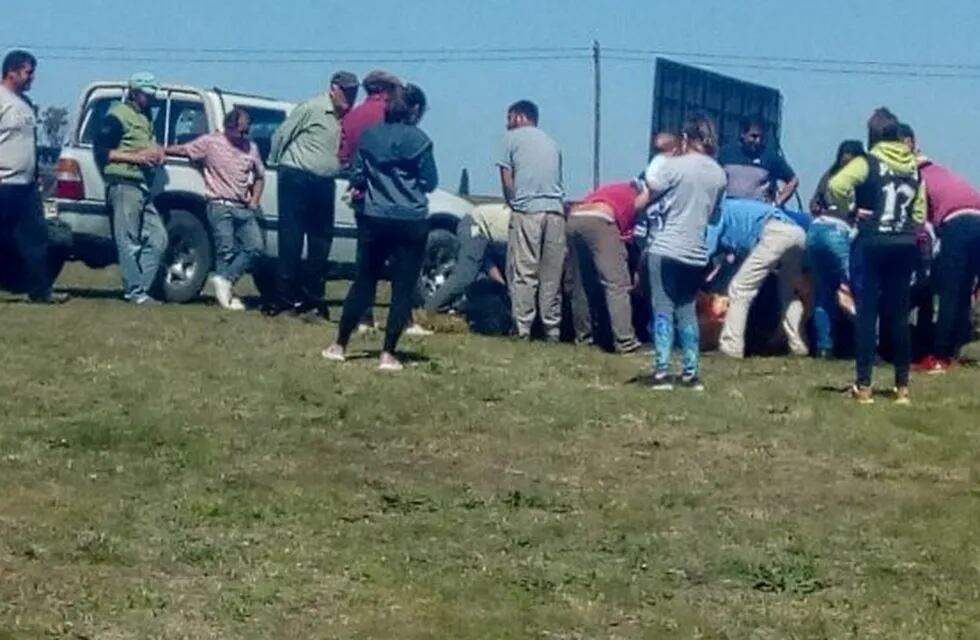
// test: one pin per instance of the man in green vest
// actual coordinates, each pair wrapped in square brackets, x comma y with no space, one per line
[127,152]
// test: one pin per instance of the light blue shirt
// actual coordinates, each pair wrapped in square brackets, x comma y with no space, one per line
[740,223]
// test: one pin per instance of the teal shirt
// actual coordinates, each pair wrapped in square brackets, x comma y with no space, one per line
[309,140]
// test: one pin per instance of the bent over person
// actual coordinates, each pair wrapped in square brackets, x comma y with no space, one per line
[233,177]
[598,231]
[482,237]
[127,152]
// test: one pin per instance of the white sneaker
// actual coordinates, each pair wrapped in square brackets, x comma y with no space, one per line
[334,353]
[418,331]
[222,291]
[236,304]
[364,328]
[388,362]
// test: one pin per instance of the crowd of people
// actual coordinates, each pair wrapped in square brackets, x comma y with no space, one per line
[690,241]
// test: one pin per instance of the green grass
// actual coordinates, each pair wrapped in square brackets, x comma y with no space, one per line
[185,473]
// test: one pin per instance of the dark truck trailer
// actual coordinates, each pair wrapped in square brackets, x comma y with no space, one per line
[680,90]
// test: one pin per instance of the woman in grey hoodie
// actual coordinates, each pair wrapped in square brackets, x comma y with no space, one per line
[394,169]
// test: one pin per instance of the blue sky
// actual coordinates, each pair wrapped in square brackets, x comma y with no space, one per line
[468,99]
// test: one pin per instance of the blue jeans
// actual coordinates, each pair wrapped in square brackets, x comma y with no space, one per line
[237,239]
[673,290]
[141,237]
[828,250]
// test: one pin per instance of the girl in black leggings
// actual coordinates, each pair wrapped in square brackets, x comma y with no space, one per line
[394,168]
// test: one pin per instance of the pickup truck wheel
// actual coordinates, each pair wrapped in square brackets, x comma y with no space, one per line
[441,249]
[188,258]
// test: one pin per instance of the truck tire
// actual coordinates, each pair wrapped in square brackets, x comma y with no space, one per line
[188,259]
[441,249]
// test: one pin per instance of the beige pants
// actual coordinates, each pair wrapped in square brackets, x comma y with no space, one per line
[781,246]
[535,259]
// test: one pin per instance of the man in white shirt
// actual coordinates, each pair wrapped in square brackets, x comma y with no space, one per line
[23,231]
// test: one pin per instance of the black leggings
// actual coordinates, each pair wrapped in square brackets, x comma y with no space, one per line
[401,245]
[885,283]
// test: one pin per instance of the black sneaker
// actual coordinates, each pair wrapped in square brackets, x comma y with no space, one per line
[50,298]
[662,381]
[691,382]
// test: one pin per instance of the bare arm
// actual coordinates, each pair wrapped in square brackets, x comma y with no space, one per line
[151,156]
[494,274]
[787,192]
[257,188]
[177,150]
[507,184]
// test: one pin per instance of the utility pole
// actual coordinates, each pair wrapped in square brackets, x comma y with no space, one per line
[597,124]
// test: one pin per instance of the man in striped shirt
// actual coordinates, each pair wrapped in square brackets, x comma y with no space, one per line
[233,178]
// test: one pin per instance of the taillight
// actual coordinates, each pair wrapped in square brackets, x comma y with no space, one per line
[69,184]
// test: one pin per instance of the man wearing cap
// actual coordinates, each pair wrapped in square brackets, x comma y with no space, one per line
[378,86]
[127,152]
[21,220]
[304,149]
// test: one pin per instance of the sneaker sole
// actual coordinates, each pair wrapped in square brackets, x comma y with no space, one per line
[332,357]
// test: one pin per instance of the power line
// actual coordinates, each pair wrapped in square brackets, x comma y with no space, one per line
[292,61]
[384,55]
[823,70]
[792,59]
[293,52]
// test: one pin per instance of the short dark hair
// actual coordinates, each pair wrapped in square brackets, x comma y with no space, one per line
[234,116]
[525,108]
[748,122]
[403,102]
[17,60]
[882,127]
[700,128]
[905,130]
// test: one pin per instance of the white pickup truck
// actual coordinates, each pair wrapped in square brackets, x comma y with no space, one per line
[180,114]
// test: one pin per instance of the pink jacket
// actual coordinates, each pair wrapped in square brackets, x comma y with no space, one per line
[946,192]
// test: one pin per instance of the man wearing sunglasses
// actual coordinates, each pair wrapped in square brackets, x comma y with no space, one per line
[233,178]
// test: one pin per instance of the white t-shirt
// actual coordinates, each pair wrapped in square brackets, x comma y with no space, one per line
[18,139]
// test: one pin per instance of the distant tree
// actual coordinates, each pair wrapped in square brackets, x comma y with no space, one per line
[54,123]
[464,183]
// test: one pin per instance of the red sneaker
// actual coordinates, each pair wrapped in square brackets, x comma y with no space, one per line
[941,366]
[925,365]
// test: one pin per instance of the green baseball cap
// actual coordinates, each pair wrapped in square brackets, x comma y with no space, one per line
[144,82]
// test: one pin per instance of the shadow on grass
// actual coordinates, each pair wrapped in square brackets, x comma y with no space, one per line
[374,354]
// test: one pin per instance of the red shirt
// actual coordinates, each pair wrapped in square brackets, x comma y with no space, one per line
[621,198]
[368,114]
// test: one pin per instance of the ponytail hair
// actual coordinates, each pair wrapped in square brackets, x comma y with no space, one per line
[701,129]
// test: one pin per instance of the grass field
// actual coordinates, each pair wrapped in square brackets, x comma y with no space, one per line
[180,472]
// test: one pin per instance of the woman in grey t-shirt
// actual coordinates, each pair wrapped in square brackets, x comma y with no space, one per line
[691,186]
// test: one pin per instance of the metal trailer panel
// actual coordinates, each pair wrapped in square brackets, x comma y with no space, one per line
[680,90]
